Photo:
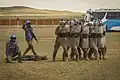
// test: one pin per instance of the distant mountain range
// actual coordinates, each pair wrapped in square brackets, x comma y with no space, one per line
[29,10]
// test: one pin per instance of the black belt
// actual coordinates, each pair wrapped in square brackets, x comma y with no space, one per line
[75,35]
[96,35]
[85,36]
[63,35]
[100,35]
[93,35]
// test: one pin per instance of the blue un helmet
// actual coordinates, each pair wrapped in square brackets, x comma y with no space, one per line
[12,36]
[28,22]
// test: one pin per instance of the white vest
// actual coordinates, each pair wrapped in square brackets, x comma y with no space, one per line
[85,29]
[65,29]
[75,29]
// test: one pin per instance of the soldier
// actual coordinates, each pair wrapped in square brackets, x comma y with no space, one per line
[85,39]
[75,31]
[93,39]
[88,16]
[101,39]
[81,23]
[29,35]
[12,49]
[57,44]
[62,32]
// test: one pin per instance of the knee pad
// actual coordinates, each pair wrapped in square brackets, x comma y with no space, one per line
[9,58]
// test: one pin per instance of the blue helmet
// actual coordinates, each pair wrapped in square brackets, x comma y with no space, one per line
[12,36]
[28,22]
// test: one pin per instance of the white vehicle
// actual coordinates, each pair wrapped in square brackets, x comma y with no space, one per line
[110,18]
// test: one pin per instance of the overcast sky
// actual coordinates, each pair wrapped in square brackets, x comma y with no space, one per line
[72,5]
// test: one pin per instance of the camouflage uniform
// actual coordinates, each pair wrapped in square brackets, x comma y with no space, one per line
[57,44]
[12,50]
[81,23]
[88,16]
[85,39]
[62,33]
[93,39]
[75,31]
[101,39]
[29,35]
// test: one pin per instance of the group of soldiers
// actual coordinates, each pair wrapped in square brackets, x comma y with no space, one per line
[87,36]
[12,47]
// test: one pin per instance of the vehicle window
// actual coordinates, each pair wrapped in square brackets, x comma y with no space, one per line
[112,15]
[118,15]
[98,15]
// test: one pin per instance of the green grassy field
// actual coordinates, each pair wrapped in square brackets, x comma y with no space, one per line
[48,70]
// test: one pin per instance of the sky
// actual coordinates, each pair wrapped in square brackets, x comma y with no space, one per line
[71,5]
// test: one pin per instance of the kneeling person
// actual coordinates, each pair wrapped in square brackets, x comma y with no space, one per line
[12,49]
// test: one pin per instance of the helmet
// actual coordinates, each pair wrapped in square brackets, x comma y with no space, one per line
[72,22]
[89,11]
[76,20]
[28,22]
[62,21]
[12,36]
[95,22]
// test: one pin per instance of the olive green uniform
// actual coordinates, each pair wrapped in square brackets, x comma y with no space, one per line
[62,33]
[75,32]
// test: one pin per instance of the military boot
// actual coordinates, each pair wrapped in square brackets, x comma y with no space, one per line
[96,58]
[19,60]
[104,58]
[66,59]
[77,58]
[53,60]
[86,57]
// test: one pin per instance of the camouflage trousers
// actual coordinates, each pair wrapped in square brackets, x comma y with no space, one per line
[94,47]
[101,47]
[58,43]
[85,46]
[101,51]
[74,43]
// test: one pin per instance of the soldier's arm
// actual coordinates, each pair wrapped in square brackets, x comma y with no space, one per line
[57,30]
[104,30]
[7,45]
[85,17]
[90,29]
[17,47]
[24,27]
[7,48]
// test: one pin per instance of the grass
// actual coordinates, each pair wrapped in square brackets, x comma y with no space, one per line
[72,70]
